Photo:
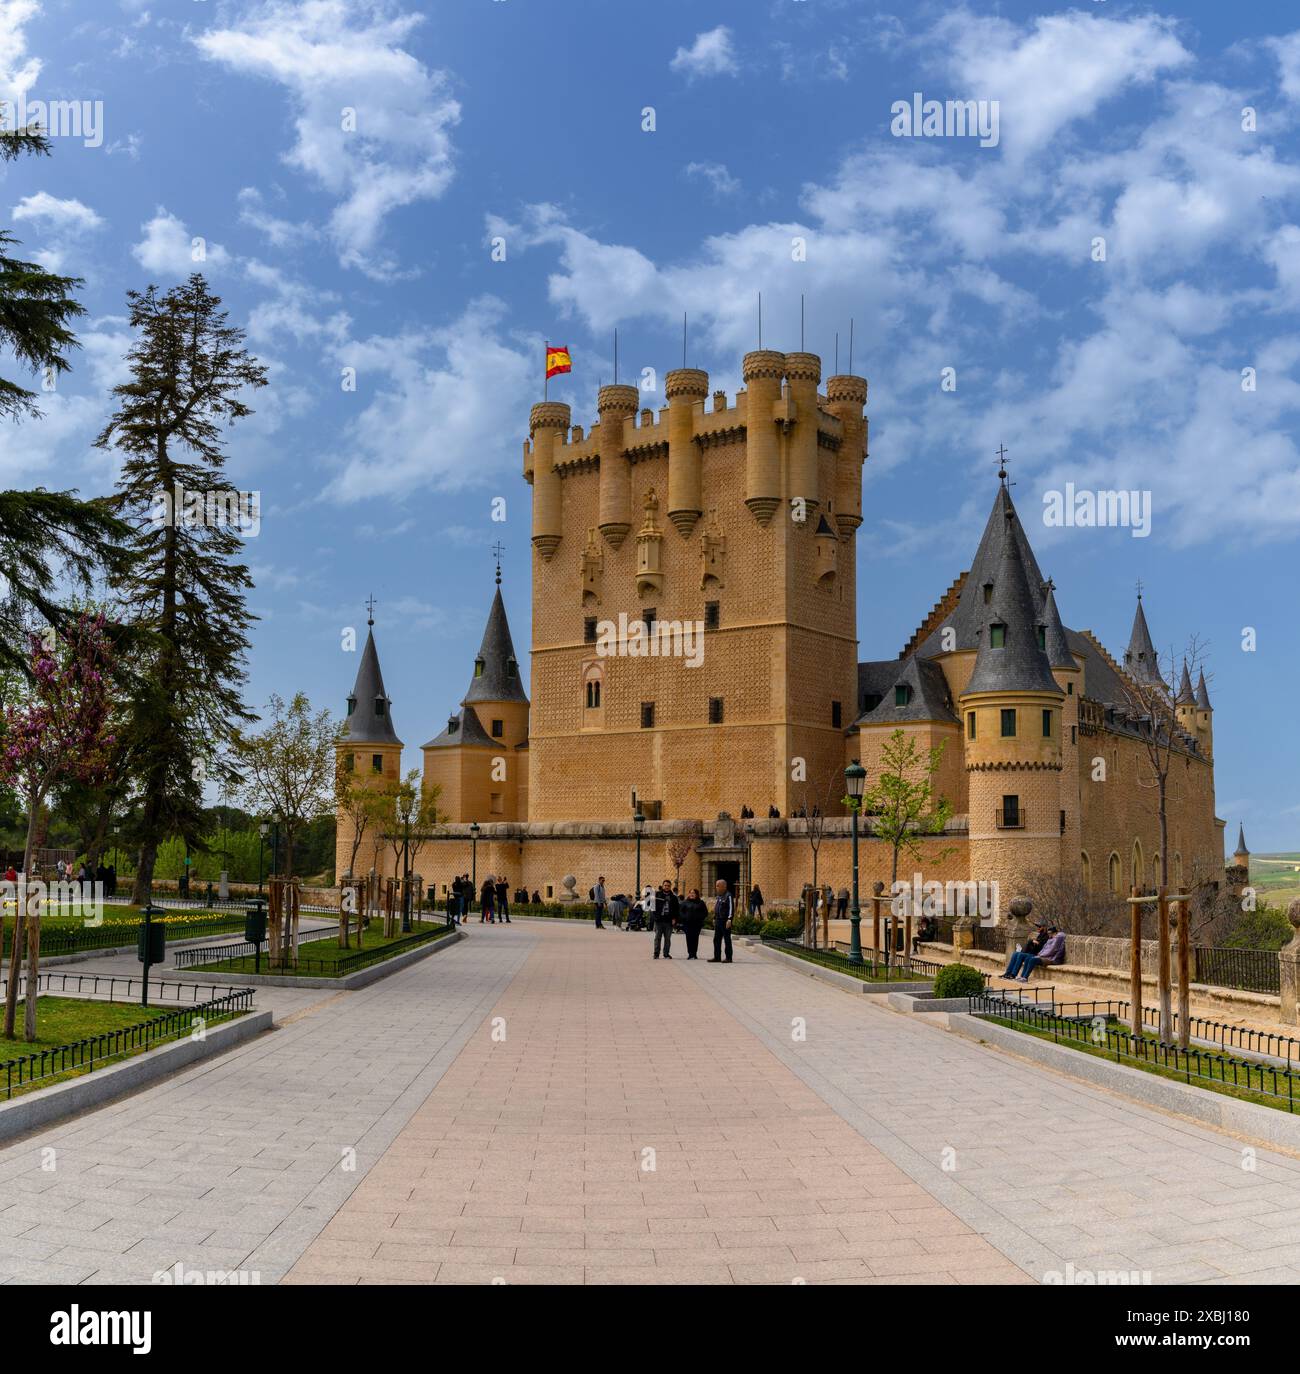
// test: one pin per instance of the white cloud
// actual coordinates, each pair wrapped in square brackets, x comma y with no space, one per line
[1287,52]
[18,70]
[710,55]
[331,55]
[279,233]
[716,175]
[438,398]
[52,213]
[168,248]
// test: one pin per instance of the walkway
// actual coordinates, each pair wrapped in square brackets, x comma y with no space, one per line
[544,1102]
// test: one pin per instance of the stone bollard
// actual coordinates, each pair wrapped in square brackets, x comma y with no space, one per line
[1288,968]
[1018,926]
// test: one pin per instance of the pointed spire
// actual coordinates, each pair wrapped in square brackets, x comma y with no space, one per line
[1184,697]
[1241,842]
[1140,656]
[1055,644]
[496,669]
[1202,694]
[370,719]
[1016,663]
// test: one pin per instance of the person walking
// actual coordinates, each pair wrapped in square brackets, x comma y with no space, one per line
[756,902]
[841,903]
[724,909]
[598,896]
[666,911]
[486,898]
[694,913]
[503,904]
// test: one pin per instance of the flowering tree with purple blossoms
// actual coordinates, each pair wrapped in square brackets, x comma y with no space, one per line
[56,733]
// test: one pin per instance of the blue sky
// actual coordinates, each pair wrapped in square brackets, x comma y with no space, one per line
[371,249]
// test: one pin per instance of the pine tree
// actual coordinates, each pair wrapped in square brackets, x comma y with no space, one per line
[184,583]
[43,534]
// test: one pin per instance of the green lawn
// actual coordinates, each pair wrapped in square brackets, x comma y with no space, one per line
[1276,877]
[1251,1075]
[866,972]
[64,1020]
[319,958]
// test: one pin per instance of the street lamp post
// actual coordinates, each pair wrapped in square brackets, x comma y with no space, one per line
[405,806]
[749,866]
[638,825]
[473,863]
[856,778]
[261,844]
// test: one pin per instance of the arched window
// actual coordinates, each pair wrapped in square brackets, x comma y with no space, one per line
[1115,876]
[1139,872]
[1155,868]
[593,693]
[1085,870]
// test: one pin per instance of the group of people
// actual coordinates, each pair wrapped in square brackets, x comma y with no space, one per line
[1045,946]
[493,898]
[103,874]
[662,910]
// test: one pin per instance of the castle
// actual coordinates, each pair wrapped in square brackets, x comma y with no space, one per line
[694,652]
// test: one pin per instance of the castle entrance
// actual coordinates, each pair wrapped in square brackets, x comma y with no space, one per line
[713,867]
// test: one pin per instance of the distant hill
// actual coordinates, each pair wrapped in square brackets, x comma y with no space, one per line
[1276,877]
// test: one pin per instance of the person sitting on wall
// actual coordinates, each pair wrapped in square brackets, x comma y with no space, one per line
[1047,948]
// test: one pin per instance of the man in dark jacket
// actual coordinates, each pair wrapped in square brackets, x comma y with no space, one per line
[503,905]
[693,916]
[724,908]
[666,911]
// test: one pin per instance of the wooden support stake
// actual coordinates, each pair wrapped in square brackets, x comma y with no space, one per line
[1184,974]
[1162,947]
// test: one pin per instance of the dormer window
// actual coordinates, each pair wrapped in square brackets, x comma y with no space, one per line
[1042,637]
[379,706]
[512,668]
[988,592]
[902,694]
[479,667]
[997,636]
[352,704]
[453,725]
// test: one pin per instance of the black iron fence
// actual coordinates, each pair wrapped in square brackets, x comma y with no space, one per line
[894,968]
[62,939]
[83,1056]
[422,933]
[117,987]
[1247,970]
[237,949]
[1097,1028]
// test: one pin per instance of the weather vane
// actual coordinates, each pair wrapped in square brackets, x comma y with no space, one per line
[1002,462]
[498,549]
[371,603]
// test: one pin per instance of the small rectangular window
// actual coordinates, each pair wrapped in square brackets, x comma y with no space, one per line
[1069,689]
[902,695]
[712,615]
[1008,722]
[970,724]
[1062,822]
[376,763]
[350,762]
[837,713]
[1042,637]
[1009,816]
[1047,724]
[494,804]
[647,715]
[648,618]
[1074,734]
[498,729]
[715,710]
[997,636]
[589,629]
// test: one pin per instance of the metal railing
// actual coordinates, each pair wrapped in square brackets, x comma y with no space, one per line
[117,987]
[900,968]
[1247,970]
[345,964]
[60,939]
[95,1050]
[237,949]
[1011,818]
[1099,1030]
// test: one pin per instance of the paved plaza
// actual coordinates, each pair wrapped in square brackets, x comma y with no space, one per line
[545,1103]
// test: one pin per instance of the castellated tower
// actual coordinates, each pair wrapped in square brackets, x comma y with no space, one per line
[371,751]
[1012,709]
[736,520]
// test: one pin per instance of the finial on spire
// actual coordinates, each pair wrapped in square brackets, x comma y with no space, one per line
[1002,464]
[371,603]
[498,549]
[1139,587]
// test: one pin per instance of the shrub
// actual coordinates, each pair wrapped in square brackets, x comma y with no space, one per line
[781,928]
[958,980]
[742,923]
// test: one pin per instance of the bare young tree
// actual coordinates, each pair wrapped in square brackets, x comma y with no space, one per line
[1065,899]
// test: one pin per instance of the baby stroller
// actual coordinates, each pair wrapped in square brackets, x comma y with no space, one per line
[640,916]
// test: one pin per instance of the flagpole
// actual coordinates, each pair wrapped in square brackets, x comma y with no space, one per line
[546,371]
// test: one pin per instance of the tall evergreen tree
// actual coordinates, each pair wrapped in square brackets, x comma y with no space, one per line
[44,535]
[185,584]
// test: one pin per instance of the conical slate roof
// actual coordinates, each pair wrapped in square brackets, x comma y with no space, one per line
[928,697]
[970,614]
[1202,694]
[1241,841]
[1185,697]
[496,669]
[1018,665]
[370,717]
[1055,644]
[462,728]
[1140,656]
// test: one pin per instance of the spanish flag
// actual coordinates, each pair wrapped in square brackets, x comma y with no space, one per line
[557,360]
